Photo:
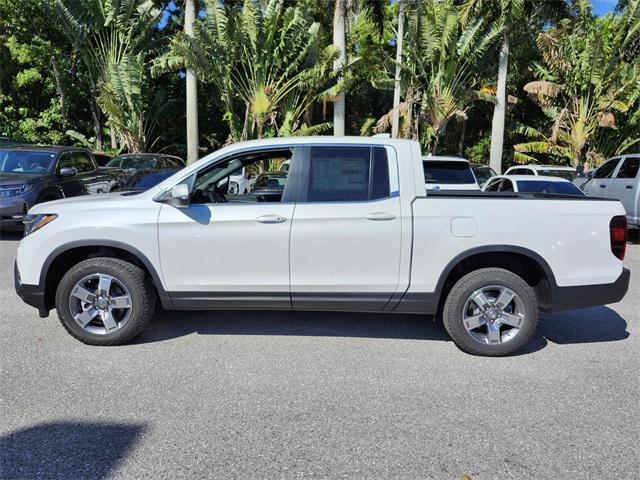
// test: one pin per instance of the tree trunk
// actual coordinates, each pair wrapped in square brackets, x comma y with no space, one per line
[497,126]
[463,134]
[339,40]
[192,90]
[114,139]
[395,120]
[60,88]
[97,120]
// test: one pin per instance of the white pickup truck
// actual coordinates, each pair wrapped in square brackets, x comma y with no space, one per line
[354,229]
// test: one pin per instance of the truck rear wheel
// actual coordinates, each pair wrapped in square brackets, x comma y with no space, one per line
[491,312]
[105,301]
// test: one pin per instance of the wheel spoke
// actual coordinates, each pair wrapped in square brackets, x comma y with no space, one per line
[480,299]
[473,322]
[512,319]
[493,333]
[104,285]
[505,298]
[109,322]
[121,302]
[85,317]
[83,294]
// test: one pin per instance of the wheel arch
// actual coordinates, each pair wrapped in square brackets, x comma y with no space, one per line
[69,254]
[529,265]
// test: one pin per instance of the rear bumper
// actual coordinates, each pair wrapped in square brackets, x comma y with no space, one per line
[30,294]
[572,298]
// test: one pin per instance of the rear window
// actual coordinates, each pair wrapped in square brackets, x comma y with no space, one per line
[450,172]
[551,172]
[542,186]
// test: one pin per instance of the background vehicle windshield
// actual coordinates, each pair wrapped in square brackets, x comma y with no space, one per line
[483,174]
[447,172]
[146,180]
[20,161]
[271,182]
[133,161]
[566,174]
[542,186]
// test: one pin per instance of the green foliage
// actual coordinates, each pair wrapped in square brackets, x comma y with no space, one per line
[265,69]
[586,86]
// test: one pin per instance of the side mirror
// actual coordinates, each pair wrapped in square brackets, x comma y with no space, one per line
[179,196]
[67,172]
[252,176]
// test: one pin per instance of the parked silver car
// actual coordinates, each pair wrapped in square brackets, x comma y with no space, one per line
[619,177]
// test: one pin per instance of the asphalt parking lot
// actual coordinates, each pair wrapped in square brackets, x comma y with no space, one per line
[321,395]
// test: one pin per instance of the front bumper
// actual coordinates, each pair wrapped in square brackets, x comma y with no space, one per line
[13,210]
[572,298]
[30,294]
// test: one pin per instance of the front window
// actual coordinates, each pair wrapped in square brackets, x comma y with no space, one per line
[214,184]
[21,161]
[447,172]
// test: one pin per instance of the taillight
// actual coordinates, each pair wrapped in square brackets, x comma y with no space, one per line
[618,233]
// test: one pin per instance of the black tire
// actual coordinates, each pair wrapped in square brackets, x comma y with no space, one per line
[458,296]
[143,299]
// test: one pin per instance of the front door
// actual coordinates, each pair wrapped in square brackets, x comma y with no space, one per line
[599,185]
[346,232]
[229,250]
[624,186]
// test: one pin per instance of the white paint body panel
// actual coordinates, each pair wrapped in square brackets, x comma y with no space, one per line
[333,247]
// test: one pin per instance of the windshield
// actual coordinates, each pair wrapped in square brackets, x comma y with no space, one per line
[146,180]
[542,186]
[133,162]
[21,161]
[271,182]
[447,172]
[566,174]
[483,173]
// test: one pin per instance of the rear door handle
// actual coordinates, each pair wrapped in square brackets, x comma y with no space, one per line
[629,186]
[271,219]
[380,216]
[603,186]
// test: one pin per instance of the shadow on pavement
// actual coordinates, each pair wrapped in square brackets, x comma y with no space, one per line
[591,325]
[172,324]
[66,450]
[600,324]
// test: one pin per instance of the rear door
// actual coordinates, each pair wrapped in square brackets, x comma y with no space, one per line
[346,231]
[624,185]
[599,185]
[93,179]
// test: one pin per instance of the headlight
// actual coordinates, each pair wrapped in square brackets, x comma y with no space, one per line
[15,190]
[36,222]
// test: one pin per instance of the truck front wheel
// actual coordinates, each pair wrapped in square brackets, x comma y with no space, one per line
[491,312]
[105,301]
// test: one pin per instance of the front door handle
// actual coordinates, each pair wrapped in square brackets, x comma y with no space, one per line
[271,219]
[603,186]
[629,186]
[380,216]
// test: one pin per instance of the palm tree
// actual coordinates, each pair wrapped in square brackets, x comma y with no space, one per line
[264,61]
[191,89]
[113,40]
[340,42]
[438,69]
[585,86]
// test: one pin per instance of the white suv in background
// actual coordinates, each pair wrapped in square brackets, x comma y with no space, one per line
[448,173]
[568,173]
[241,182]
[618,178]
